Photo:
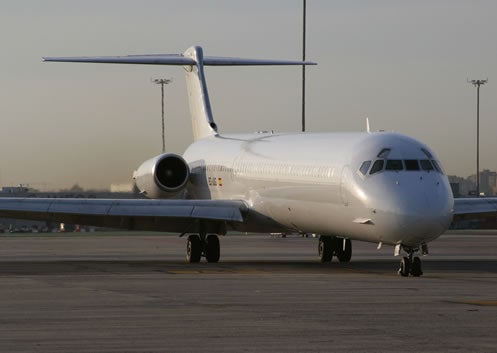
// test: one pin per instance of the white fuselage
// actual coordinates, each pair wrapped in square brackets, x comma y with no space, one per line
[312,183]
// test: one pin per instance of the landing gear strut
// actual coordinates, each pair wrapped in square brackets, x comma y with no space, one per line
[410,265]
[202,245]
[331,245]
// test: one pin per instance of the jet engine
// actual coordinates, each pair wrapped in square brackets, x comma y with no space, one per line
[162,177]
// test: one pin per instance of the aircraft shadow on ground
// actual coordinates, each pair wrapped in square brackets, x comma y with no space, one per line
[117,267]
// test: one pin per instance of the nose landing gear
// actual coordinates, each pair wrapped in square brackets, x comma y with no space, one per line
[410,265]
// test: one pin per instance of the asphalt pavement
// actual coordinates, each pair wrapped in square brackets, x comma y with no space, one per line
[135,293]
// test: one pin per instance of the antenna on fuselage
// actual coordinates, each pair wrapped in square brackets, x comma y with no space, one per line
[368,130]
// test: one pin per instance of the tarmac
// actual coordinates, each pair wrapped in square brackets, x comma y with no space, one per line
[131,292]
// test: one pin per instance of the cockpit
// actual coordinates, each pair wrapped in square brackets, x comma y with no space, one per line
[383,163]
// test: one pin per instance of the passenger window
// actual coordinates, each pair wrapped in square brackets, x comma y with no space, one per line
[394,164]
[365,167]
[411,164]
[377,166]
[426,164]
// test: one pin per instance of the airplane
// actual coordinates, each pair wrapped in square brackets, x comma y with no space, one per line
[381,187]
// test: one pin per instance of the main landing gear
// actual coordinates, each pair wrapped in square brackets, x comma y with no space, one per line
[410,264]
[330,246]
[202,245]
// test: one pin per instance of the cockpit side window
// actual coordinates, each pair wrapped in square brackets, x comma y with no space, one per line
[426,164]
[427,153]
[411,164]
[437,167]
[365,167]
[383,153]
[394,164]
[377,166]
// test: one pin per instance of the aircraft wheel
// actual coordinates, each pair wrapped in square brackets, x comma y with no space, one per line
[416,270]
[212,248]
[405,266]
[193,248]
[325,248]
[344,250]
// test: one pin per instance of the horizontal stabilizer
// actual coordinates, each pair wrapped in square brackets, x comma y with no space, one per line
[193,62]
[175,59]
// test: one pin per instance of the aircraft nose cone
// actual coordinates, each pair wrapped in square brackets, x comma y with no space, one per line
[417,215]
[422,226]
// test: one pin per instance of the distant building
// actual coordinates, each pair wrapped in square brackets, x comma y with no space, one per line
[488,182]
[455,189]
[464,187]
[461,187]
[126,187]
[12,190]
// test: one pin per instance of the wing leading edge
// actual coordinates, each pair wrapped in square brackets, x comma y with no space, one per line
[160,215]
[471,207]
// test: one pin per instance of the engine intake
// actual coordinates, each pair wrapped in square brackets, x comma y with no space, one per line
[164,176]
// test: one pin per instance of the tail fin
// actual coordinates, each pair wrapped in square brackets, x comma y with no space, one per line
[193,62]
[203,124]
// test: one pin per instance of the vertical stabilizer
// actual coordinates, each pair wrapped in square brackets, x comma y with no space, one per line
[203,124]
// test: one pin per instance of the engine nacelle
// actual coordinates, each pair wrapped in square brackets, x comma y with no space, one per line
[162,177]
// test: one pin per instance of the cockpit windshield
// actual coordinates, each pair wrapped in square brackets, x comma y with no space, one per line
[377,166]
[411,164]
[394,164]
[399,165]
[437,166]
[382,163]
[426,164]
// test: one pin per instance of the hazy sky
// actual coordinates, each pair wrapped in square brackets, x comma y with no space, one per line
[403,64]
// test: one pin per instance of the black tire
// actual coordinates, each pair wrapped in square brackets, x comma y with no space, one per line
[325,248]
[212,248]
[405,267]
[193,248]
[344,255]
[336,245]
[416,269]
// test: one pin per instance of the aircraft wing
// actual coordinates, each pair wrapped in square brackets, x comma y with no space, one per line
[181,216]
[471,207]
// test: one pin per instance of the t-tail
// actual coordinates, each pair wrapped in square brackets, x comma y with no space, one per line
[193,61]
[203,124]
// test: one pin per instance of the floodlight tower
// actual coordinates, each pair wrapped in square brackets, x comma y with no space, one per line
[162,82]
[303,59]
[477,84]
